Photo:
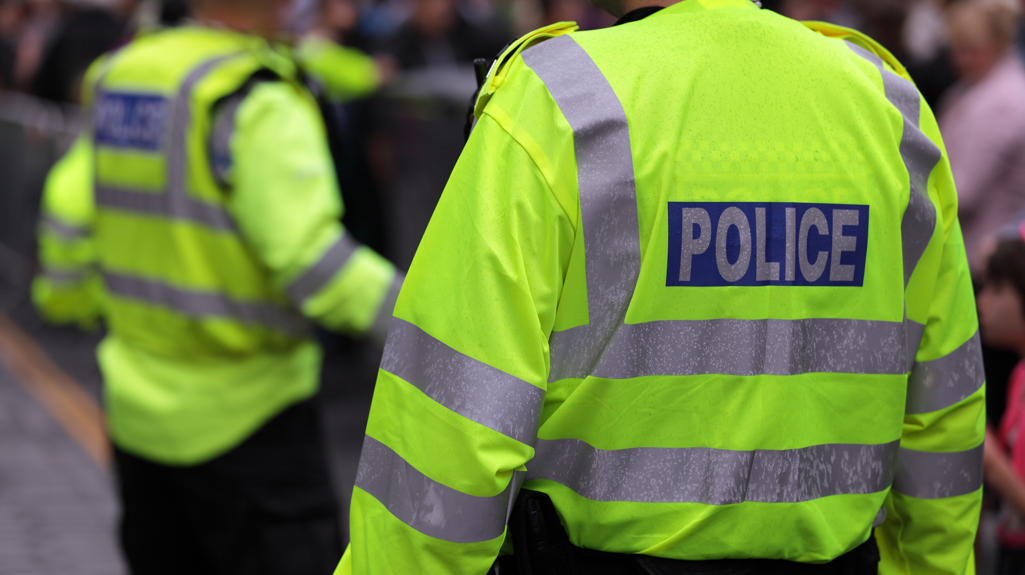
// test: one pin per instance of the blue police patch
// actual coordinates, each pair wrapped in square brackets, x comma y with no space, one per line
[131,121]
[757,244]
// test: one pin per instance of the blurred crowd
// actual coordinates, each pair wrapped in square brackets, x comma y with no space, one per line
[966,56]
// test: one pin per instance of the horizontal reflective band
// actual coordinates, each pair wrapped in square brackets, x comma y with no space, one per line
[752,347]
[164,205]
[65,231]
[320,273]
[378,333]
[424,504]
[943,382]
[201,305]
[464,385]
[929,475]
[64,277]
[714,476]
[920,156]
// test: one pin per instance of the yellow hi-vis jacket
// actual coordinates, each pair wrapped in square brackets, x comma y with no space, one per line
[200,217]
[700,279]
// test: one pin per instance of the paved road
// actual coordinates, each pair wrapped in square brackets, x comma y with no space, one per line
[57,506]
[57,509]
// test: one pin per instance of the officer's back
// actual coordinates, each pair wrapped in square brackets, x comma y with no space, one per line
[715,214]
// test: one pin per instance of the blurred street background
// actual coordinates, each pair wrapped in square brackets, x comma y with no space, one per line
[57,495]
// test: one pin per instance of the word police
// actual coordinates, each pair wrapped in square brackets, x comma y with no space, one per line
[755,244]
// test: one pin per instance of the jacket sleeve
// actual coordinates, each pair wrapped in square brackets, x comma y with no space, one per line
[286,201]
[462,382]
[347,73]
[68,289]
[932,511]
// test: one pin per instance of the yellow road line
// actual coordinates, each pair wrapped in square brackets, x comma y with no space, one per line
[74,409]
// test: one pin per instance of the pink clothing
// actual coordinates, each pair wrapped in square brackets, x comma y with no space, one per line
[983,126]
[1011,428]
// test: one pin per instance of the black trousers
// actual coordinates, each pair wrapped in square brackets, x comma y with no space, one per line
[266,507]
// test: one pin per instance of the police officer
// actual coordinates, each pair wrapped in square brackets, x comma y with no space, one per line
[697,280]
[199,217]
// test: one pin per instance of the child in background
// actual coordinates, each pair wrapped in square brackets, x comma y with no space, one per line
[1002,317]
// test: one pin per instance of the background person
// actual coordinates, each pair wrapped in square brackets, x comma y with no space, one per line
[199,218]
[983,119]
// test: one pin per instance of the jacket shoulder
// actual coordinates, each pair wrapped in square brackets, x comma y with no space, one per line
[500,67]
[859,39]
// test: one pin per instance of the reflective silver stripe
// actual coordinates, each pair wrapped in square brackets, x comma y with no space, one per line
[608,198]
[943,382]
[320,273]
[200,305]
[66,232]
[424,504]
[159,204]
[64,278]
[174,202]
[920,156]
[930,475]
[471,388]
[714,476]
[754,347]
[378,333]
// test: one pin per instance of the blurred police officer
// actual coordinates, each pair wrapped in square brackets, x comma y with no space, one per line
[199,218]
[698,280]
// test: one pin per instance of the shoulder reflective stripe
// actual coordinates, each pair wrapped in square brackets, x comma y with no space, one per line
[943,382]
[320,273]
[714,476]
[914,334]
[464,385]
[378,333]
[66,232]
[754,347]
[608,197]
[930,475]
[431,508]
[920,156]
[63,278]
[199,305]
[159,204]
[177,152]
[221,137]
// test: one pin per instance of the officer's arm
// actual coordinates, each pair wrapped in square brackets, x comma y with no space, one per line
[346,73]
[286,202]
[463,379]
[933,508]
[68,290]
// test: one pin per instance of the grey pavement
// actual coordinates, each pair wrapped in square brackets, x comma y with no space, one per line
[57,506]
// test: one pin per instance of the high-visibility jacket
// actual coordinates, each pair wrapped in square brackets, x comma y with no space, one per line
[700,279]
[346,73]
[202,212]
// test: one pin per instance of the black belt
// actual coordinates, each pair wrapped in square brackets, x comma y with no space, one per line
[543,548]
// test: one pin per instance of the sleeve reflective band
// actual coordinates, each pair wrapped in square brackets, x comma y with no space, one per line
[462,384]
[320,274]
[64,278]
[431,508]
[931,475]
[66,232]
[945,382]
